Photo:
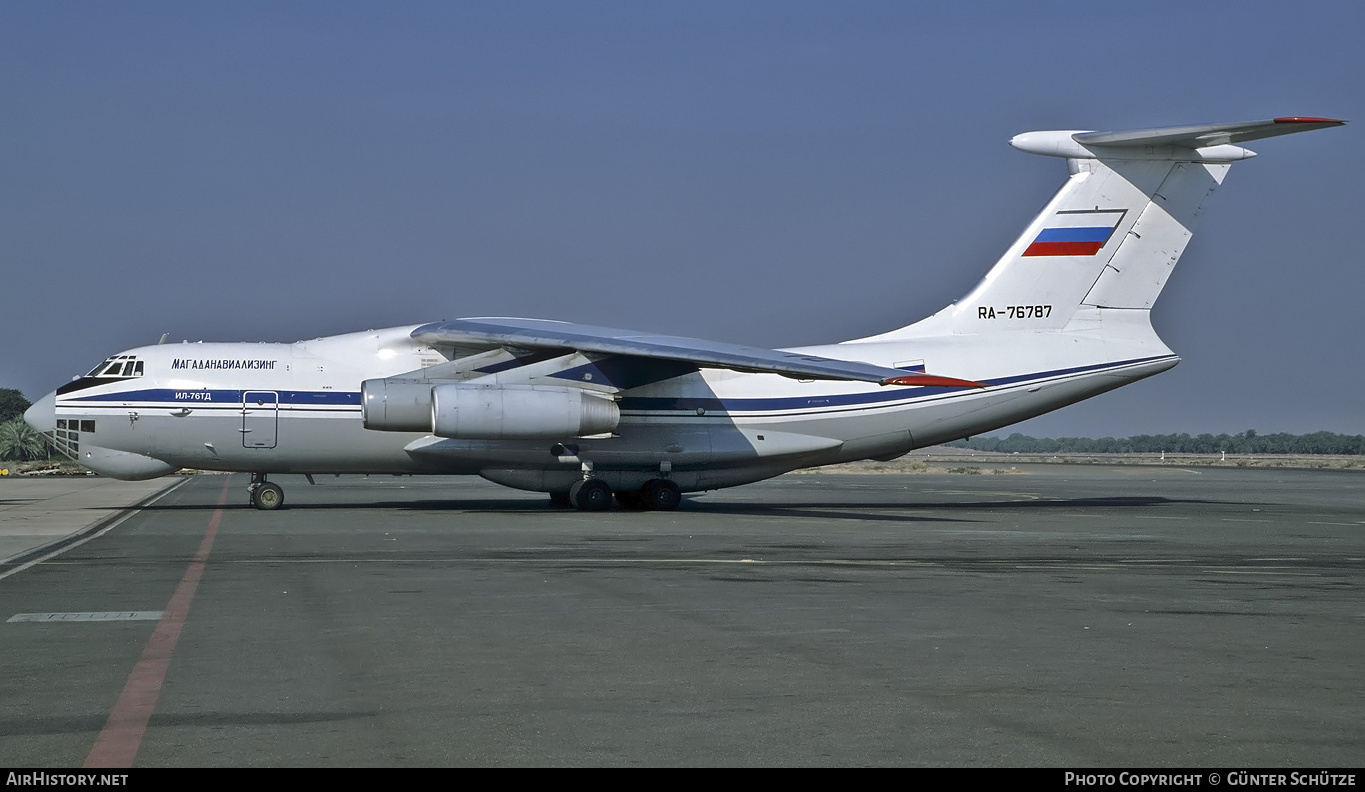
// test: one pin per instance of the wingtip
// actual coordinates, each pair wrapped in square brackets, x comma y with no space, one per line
[932,380]
[1308,120]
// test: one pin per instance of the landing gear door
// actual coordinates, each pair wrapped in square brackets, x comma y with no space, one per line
[260,418]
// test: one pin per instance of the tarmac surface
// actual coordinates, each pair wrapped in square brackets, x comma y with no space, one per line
[42,514]
[1056,615]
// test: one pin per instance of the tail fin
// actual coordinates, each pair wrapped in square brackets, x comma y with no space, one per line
[1111,236]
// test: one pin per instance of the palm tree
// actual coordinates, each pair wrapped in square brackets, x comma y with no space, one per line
[19,441]
[12,404]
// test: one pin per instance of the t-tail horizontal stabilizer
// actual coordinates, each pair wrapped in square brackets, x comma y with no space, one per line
[1201,143]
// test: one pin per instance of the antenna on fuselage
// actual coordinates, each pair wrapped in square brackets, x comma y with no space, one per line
[164,336]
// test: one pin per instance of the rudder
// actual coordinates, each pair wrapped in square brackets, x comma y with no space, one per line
[1134,276]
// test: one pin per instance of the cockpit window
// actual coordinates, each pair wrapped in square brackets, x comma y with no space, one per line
[120,366]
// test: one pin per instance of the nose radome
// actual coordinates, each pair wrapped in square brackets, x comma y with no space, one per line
[42,414]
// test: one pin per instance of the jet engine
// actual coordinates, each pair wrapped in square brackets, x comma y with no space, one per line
[396,405]
[467,411]
[491,412]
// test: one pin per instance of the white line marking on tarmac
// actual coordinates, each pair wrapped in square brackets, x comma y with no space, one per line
[87,616]
[1269,571]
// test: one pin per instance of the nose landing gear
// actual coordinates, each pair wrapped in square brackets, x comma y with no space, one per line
[265,495]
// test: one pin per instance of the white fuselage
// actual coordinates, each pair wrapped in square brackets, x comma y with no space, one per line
[282,408]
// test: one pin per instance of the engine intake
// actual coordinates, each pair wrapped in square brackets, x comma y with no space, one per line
[396,405]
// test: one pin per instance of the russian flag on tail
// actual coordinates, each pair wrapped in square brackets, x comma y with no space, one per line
[1076,232]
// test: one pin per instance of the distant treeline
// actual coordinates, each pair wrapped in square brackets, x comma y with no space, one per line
[1248,442]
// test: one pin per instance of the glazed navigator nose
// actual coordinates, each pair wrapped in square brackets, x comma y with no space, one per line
[42,415]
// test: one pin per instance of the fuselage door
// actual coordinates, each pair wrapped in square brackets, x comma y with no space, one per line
[260,418]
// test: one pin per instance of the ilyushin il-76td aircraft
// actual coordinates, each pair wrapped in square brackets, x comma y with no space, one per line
[584,413]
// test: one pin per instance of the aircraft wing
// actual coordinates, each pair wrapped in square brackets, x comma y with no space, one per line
[542,334]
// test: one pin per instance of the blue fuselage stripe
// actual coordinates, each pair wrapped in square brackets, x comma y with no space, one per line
[333,399]
[228,397]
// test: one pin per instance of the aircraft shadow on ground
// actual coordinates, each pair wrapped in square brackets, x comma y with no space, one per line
[876,510]
[843,511]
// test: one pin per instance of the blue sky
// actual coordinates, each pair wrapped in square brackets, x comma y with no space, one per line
[775,174]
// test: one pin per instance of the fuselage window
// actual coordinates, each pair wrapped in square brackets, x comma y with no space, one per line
[87,426]
[137,369]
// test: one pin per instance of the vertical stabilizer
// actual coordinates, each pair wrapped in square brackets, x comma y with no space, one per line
[1111,236]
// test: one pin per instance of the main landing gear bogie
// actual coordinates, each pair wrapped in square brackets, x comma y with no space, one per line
[594,494]
[591,494]
[265,495]
[660,495]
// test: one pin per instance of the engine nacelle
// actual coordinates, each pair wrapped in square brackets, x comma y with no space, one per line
[396,405]
[518,412]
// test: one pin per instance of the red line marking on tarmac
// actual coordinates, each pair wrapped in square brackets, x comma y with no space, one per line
[118,743]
